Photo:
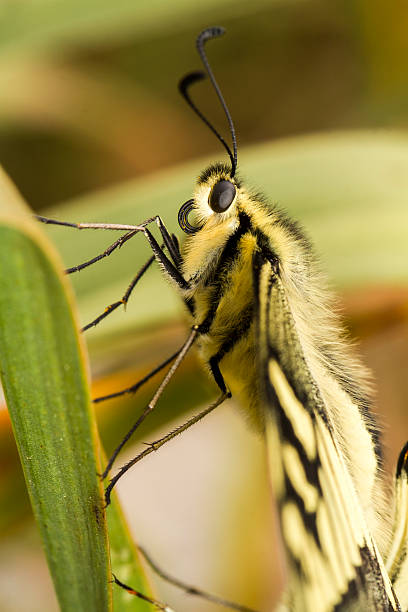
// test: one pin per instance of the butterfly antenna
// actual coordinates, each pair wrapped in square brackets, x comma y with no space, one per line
[193,77]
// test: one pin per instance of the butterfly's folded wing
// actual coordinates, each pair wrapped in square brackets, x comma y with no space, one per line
[333,563]
[397,558]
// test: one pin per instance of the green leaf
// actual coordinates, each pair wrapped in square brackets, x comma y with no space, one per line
[46,386]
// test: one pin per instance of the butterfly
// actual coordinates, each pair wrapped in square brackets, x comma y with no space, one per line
[267,331]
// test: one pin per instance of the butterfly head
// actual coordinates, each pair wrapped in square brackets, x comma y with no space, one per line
[215,199]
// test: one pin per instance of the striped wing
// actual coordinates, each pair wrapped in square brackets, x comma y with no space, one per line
[397,558]
[332,560]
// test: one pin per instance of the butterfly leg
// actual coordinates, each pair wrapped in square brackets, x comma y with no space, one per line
[171,267]
[157,604]
[152,404]
[133,388]
[154,446]
[191,590]
[214,366]
[125,298]
[216,372]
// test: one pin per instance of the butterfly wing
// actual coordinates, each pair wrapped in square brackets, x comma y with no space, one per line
[397,558]
[332,560]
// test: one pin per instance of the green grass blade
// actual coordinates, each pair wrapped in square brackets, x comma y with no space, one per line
[46,387]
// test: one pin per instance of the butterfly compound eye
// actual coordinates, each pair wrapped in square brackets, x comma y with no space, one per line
[222,195]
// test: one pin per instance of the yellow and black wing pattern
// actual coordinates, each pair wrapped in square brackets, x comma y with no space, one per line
[397,557]
[333,562]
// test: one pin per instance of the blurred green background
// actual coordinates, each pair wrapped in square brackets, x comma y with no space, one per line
[92,129]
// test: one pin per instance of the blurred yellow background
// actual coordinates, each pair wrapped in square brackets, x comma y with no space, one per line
[92,128]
